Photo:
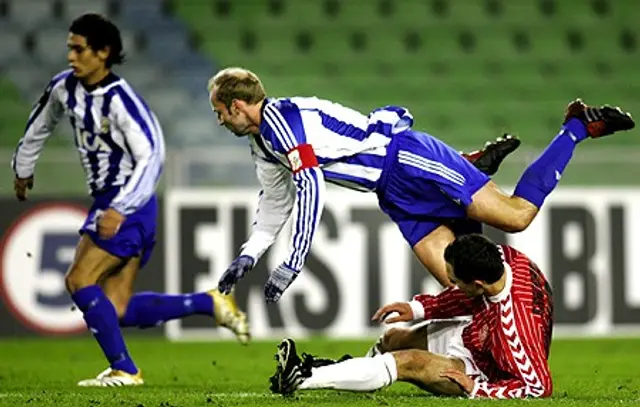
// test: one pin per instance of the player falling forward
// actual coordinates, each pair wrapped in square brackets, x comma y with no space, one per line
[489,336]
[121,147]
[421,182]
[352,148]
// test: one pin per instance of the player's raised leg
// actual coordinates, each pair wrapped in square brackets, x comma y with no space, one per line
[514,213]
[428,239]
[429,249]
[415,366]
[424,188]
[149,309]
[91,265]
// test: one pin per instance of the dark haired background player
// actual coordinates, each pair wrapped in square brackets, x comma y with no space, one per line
[121,147]
[488,336]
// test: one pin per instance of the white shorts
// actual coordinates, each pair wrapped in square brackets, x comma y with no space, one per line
[444,337]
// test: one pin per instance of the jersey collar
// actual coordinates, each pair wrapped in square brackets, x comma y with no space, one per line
[104,85]
[507,285]
[263,123]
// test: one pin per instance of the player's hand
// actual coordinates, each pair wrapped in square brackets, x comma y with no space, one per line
[236,270]
[465,382]
[403,309]
[20,186]
[109,223]
[278,281]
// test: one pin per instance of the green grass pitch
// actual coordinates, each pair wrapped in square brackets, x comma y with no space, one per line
[43,372]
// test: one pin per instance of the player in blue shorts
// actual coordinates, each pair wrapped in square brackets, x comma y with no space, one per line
[121,147]
[425,186]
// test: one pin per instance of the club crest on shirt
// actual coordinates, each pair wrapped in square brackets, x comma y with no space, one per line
[295,161]
[105,124]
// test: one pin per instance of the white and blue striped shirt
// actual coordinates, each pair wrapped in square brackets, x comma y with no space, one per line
[119,139]
[350,149]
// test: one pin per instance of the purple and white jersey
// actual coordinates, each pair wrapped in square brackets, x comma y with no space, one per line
[118,138]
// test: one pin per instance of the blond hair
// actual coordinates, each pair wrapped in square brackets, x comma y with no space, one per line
[236,83]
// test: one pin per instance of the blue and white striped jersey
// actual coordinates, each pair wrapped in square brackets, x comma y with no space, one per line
[346,148]
[119,139]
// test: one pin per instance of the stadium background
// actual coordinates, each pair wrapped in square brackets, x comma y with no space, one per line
[468,70]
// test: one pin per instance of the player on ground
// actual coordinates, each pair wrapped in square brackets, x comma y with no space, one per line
[122,150]
[421,183]
[489,336]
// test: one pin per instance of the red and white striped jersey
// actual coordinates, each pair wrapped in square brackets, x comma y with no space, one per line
[510,333]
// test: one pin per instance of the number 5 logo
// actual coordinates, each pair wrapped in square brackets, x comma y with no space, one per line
[36,253]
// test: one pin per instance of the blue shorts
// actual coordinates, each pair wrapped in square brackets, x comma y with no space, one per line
[136,236]
[425,184]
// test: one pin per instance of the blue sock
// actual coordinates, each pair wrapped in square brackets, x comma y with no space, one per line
[102,321]
[542,175]
[150,309]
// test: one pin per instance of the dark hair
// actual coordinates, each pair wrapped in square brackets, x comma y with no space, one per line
[100,33]
[474,257]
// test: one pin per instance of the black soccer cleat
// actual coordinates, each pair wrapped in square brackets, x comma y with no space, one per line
[291,370]
[488,159]
[319,362]
[599,121]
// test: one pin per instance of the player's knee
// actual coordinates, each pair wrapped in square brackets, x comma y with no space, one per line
[388,340]
[518,223]
[522,215]
[410,363]
[79,277]
[75,280]
[514,228]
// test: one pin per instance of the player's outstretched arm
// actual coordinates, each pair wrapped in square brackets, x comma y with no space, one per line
[274,209]
[144,137]
[451,302]
[290,139]
[44,116]
[275,204]
[448,304]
